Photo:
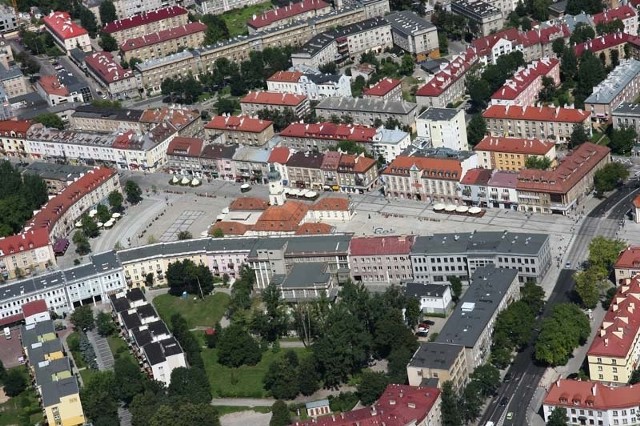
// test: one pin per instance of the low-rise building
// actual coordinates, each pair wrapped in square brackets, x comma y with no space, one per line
[621,85]
[243,130]
[140,23]
[388,89]
[13,135]
[440,361]
[488,18]
[154,71]
[28,252]
[56,176]
[63,88]
[110,74]
[434,258]
[501,190]
[357,173]
[183,155]
[369,111]
[535,122]
[414,34]
[331,209]
[381,259]
[475,184]
[13,81]
[444,127]
[254,102]
[605,45]
[628,264]
[306,282]
[313,86]
[561,190]
[66,33]
[512,153]
[164,42]
[491,291]
[525,85]
[433,298]
[304,170]
[281,16]
[319,50]
[8,19]
[626,115]
[105,120]
[218,7]
[625,13]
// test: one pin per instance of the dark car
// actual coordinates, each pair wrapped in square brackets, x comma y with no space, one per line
[507,377]
[504,401]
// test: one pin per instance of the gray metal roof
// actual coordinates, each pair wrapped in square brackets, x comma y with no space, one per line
[52,392]
[32,285]
[438,114]
[629,108]
[378,106]
[617,81]
[53,171]
[407,22]
[435,355]
[471,316]
[419,290]
[29,334]
[480,242]
[119,114]
[46,370]
[10,73]
[307,275]
[187,246]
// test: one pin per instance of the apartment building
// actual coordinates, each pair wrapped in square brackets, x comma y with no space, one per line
[491,290]
[12,138]
[26,253]
[139,23]
[313,86]
[387,89]
[488,18]
[164,42]
[8,19]
[56,176]
[183,156]
[626,115]
[589,402]
[369,111]
[381,259]
[105,120]
[621,85]
[306,282]
[109,74]
[475,185]
[530,122]
[615,351]
[281,16]
[154,71]
[357,173]
[66,33]
[439,361]
[561,190]
[318,51]
[216,161]
[625,13]
[413,34]
[243,130]
[628,264]
[63,88]
[64,290]
[13,81]
[444,127]
[448,84]
[525,85]
[258,101]
[606,44]
[512,153]
[304,170]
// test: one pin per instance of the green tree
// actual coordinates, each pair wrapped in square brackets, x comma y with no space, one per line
[128,379]
[581,33]
[471,402]
[133,192]
[578,136]
[569,64]
[191,384]
[532,295]
[443,44]
[82,243]
[456,287]
[49,119]
[272,324]
[99,398]
[187,276]
[371,386]
[103,213]
[185,414]
[115,199]
[635,377]
[525,24]
[281,379]
[3,372]
[217,233]
[575,7]
[608,177]
[603,252]
[488,378]
[14,382]
[548,91]
[236,347]
[82,318]
[476,129]
[308,378]
[87,19]
[412,312]
[227,106]
[107,12]
[217,29]
[536,162]
[280,415]
[562,332]
[591,72]
[187,340]
[451,415]
[479,92]
[89,227]
[104,324]
[184,235]
[108,43]
[558,46]
[558,417]
[621,141]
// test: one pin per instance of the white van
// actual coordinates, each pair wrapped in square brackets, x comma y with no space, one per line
[7,333]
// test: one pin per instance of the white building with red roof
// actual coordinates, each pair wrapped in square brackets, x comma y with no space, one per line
[24,253]
[241,129]
[183,155]
[257,101]
[592,403]
[525,85]
[314,86]
[164,42]
[149,20]
[447,85]
[387,89]
[626,13]
[110,74]
[390,254]
[35,311]
[292,12]
[66,33]
[628,263]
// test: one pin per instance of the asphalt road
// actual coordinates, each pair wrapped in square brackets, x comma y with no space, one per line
[526,374]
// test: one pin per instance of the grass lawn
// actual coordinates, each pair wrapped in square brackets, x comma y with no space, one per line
[22,407]
[76,355]
[204,313]
[119,347]
[236,20]
[86,375]
[245,381]
[226,409]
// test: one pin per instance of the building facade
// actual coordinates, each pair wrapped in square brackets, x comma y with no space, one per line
[413,34]
[381,259]
[444,127]
[164,42]
[243,130]
[254,102]
[440,361]
[621,85]
[512,153]
[151,18]
[525,85]
[367,111]
[116,80]
[488,18]
[66,33]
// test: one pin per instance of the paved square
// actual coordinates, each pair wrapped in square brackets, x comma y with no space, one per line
[182,223]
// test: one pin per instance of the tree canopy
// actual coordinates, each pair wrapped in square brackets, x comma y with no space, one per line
[20,195]
[107,12]
[566,329]
[82,318]
[133,192]
[476,129]
[236,347]
[609,177]
[537,162]
[621,141]
[188,277]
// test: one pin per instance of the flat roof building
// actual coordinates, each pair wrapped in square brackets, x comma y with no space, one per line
[621,85]
[440,361]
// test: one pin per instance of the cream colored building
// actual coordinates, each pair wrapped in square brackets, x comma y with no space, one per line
[165,42]
[512,153]
[441,361]
[147,21]
[628,264]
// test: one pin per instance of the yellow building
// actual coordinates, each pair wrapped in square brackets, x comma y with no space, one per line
[615,351]
[440,361]
[512,153]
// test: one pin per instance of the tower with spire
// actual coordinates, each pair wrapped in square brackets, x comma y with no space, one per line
[276,188]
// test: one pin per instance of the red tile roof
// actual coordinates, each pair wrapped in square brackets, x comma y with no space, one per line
[623,12]
[629,258]
[432,168]
[284,218]
[514,145]
[531,113]
[477,177]
[241,123]
[60,23]
[589,395]
[177,117]
[47,217]
[314,229]
[327,130]
[248,203]
[503,179]
[484,45]
[103,64]
[453,71]
[187,147]
[273,98]
[620,324]
[399,405]
[382,87]
[279,154]
[331,204]
[26,240]
[163,36]
[230,228]
[602,43]
[571,170]
[51,85]
[286,76]
[34,308]
[269,17]
[543,36]
[372,246]
[18,127]
[144,18]
[522,79]
[355,163]
[636,202]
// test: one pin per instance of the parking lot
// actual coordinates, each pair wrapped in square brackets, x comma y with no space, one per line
[11,349]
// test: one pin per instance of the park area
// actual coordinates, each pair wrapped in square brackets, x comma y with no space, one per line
[198,312]
[21,409]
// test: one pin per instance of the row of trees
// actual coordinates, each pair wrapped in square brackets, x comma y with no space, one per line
[593,281]
[564,330]
[20,195]
[464,407]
